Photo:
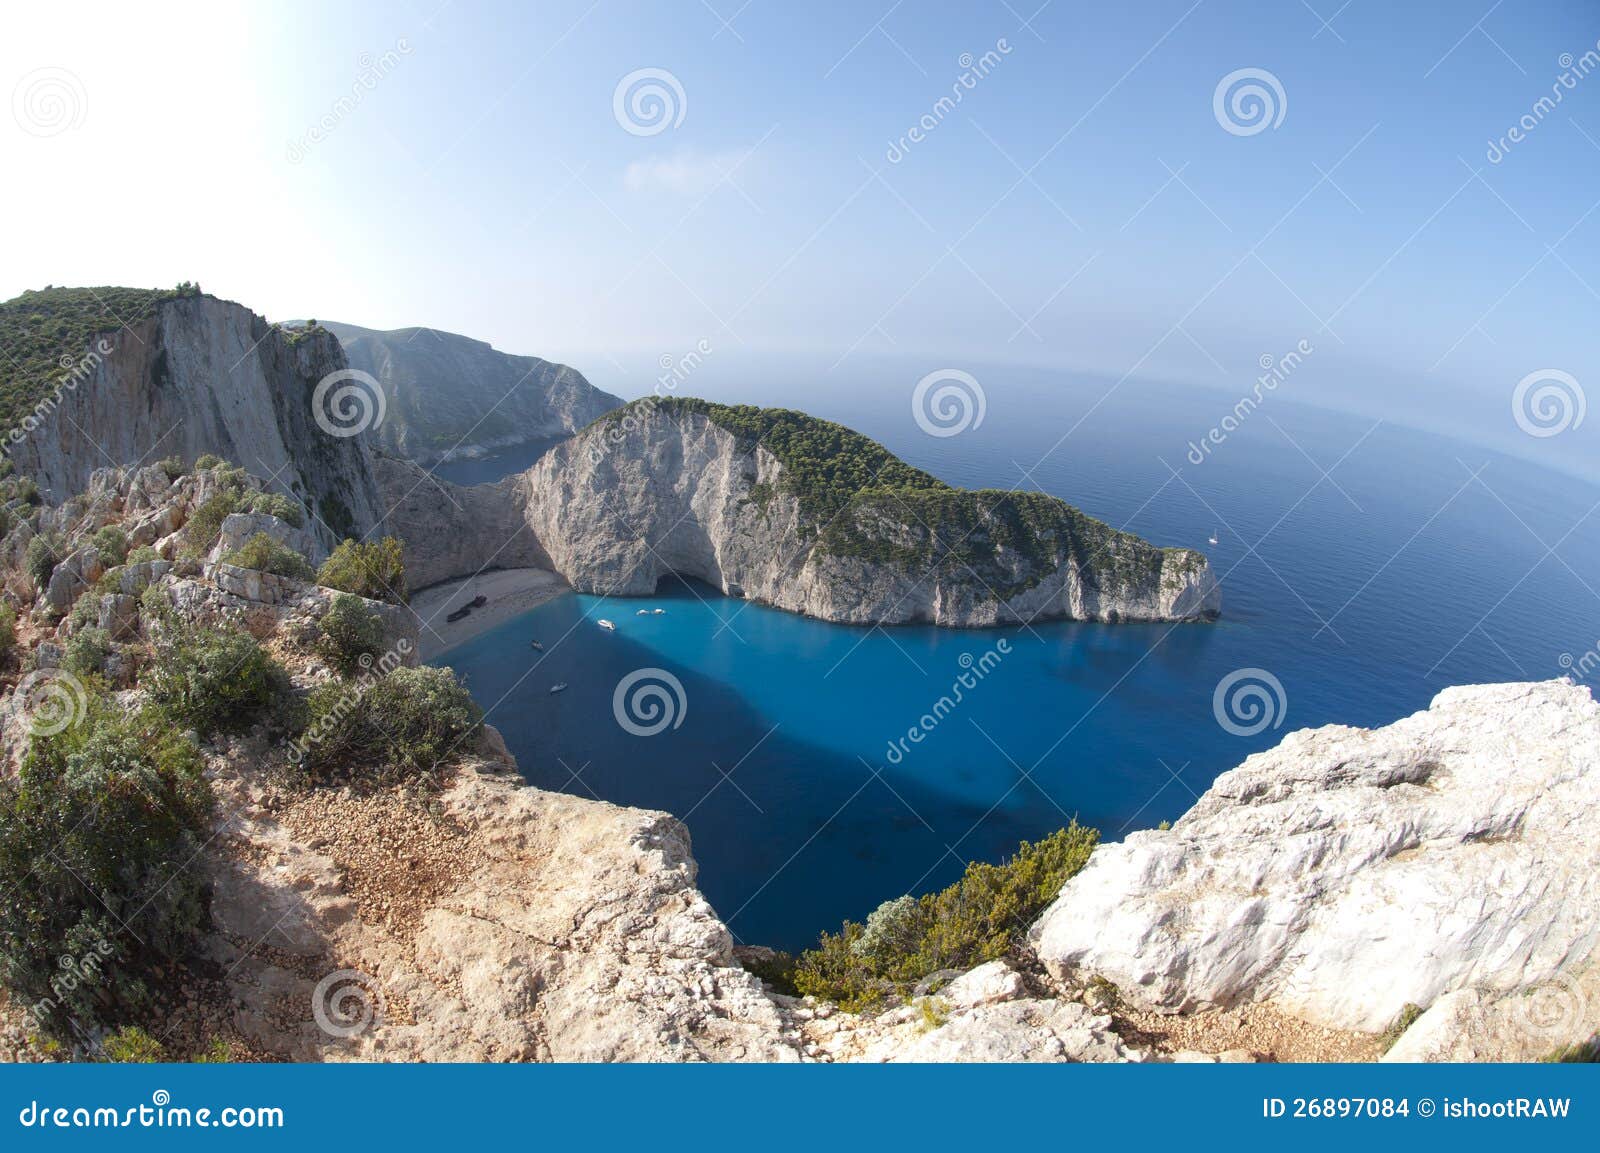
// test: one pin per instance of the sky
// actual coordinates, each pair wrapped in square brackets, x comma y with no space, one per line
[1093,202]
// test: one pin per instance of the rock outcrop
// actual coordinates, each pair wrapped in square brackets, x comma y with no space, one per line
[202,375]
[1447,860]
[450,396]
[666,488]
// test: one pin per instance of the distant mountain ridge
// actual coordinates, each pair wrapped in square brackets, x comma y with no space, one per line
[450,396]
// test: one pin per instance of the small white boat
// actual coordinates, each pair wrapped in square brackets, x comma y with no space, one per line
[642,613]
[558,686]
[537,645]
[660,612]
[1212,539]
[607,625]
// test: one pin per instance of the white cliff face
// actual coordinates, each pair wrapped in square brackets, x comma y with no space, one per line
[630,501]
[1350,872]
[207,376]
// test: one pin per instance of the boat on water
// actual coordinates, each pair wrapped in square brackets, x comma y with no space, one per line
[607,625]
[1212,539]
[558,686]
[660,612]
[537,645]
[642,613]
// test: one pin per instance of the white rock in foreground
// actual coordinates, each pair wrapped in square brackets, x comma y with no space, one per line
[1349,872]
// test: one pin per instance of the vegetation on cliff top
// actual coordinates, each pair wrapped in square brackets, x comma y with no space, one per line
[909,940]
[862,501]
[46,335]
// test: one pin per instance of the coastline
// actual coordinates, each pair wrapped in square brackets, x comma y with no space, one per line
[510,592]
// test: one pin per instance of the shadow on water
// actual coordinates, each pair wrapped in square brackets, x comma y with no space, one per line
[791,837]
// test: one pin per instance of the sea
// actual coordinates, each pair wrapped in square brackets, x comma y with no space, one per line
[823,769]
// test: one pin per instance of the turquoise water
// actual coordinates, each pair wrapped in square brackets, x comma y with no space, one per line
[1363,594]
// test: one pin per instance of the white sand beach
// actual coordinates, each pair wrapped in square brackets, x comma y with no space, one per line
[509,592]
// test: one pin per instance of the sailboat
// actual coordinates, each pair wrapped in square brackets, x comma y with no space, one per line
[1212,539]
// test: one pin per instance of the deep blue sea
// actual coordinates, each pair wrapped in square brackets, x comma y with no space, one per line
[1363,590]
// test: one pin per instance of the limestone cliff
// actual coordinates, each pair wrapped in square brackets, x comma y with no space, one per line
[808,516]
[450,396]
[201,375]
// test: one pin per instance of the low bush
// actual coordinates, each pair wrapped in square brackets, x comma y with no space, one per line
[97,830]
[371,569]
[112,545]
[286,509]
[8,632]
[350,630]
[43,554]
[211,679]
[132,1045]
[265,554]
[399,727]
[977,919]
[206,461]
[87,650]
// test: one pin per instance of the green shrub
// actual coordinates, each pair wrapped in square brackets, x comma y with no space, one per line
[206,523]
[132,1045]
[44,552]
[143,555]
[209,679]
[399,727]
[206,461]
[173,466]
[350,630]
[264,554]
[97,831]
[112,545]
[8,631]
[777,971]
[286,509]
[371,569]
[1406,1018]
[87,650]
[977,919]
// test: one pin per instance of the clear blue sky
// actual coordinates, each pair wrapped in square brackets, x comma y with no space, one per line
[1082,206]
